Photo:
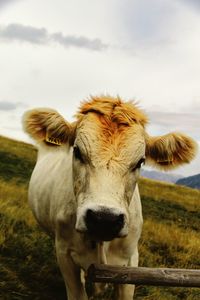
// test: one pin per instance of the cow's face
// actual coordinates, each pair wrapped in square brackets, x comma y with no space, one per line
[107,157]
[109,146]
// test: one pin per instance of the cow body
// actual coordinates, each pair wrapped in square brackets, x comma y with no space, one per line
[84,191]
[52,199]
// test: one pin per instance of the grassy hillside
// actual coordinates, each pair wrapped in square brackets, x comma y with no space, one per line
[28,268]
[17,160]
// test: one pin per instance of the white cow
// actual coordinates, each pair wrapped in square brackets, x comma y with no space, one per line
[84,185]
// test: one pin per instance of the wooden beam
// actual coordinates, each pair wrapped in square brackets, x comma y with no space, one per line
[144,276]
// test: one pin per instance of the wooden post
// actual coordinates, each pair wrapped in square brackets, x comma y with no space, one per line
[144,276]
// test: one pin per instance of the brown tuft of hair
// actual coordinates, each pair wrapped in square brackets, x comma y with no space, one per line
[114,109]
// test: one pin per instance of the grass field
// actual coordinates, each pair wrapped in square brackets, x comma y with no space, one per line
[28,268]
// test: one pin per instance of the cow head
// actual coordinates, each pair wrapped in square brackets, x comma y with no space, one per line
[109,146]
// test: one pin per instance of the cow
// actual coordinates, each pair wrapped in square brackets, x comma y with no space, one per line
[83,190]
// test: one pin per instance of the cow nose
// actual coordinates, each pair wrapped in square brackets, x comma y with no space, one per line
[104,225]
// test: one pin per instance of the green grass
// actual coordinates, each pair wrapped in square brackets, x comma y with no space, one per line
[17,160]
[28,268]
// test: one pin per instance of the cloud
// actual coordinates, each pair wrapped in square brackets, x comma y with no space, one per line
[155,23]
[24,33]
[6,2]
[187,122]
[81,41]
[193,3]
[174,119]
[148,22]
[8,106]
[33,35]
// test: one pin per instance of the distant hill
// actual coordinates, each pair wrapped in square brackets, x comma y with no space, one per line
[191,181]
[161,176]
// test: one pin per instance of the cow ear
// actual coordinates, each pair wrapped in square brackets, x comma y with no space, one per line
[47,125]
[170,151]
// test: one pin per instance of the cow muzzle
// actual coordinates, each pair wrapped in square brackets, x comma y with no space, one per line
[102,223]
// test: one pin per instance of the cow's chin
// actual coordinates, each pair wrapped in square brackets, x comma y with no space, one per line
[104,236]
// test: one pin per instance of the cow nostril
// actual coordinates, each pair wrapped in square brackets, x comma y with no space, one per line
[101,216]
[93,216]
[121,219]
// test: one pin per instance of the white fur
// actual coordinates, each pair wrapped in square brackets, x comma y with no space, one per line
[56,208]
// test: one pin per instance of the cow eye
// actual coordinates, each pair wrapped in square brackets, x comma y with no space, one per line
[77,154]
[139,164]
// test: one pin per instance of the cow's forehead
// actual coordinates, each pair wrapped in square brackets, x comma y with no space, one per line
[110,128]
[106,140]
[101,127]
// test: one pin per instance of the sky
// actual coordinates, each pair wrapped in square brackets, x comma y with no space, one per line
[58,53]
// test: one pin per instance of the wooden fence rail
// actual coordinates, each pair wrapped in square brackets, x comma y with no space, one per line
[144,276]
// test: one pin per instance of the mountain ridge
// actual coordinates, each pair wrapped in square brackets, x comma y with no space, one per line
[161,176]
[190,181]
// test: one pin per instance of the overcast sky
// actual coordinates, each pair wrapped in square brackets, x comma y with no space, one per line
[56,53]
